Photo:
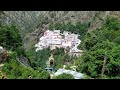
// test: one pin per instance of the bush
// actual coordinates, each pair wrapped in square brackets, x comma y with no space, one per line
[10,37]
[14,70]
[96,44]
[65,76]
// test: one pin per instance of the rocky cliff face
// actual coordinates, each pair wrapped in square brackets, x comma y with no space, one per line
[34,21]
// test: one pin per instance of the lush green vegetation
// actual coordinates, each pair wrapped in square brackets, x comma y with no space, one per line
[10,37]
[102,51]
[79,28]
[38,59]
[65,76]
[14,70]
[101,57]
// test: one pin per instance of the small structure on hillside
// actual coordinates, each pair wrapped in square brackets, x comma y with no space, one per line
[73,68]
[64,66]
[51,60]
[50,63]
[30,77]
[49,69]
[3,54]
[75,52]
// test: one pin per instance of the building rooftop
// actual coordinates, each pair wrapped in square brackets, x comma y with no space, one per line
[75,74]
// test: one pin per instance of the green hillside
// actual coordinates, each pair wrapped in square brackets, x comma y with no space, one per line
[100,59]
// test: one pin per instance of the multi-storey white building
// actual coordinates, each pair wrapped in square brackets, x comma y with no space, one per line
[54,38]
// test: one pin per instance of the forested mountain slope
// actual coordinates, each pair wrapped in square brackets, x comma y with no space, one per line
[98,30]
[35,21]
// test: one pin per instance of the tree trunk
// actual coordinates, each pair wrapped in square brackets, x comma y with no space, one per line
[104,62]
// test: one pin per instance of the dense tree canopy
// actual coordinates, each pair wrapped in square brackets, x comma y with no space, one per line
[14,70]
[100,59]
[10,37]
[79,28]
[65,76]
[102,55]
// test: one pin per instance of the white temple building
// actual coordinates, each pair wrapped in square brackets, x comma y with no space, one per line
[54,38]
